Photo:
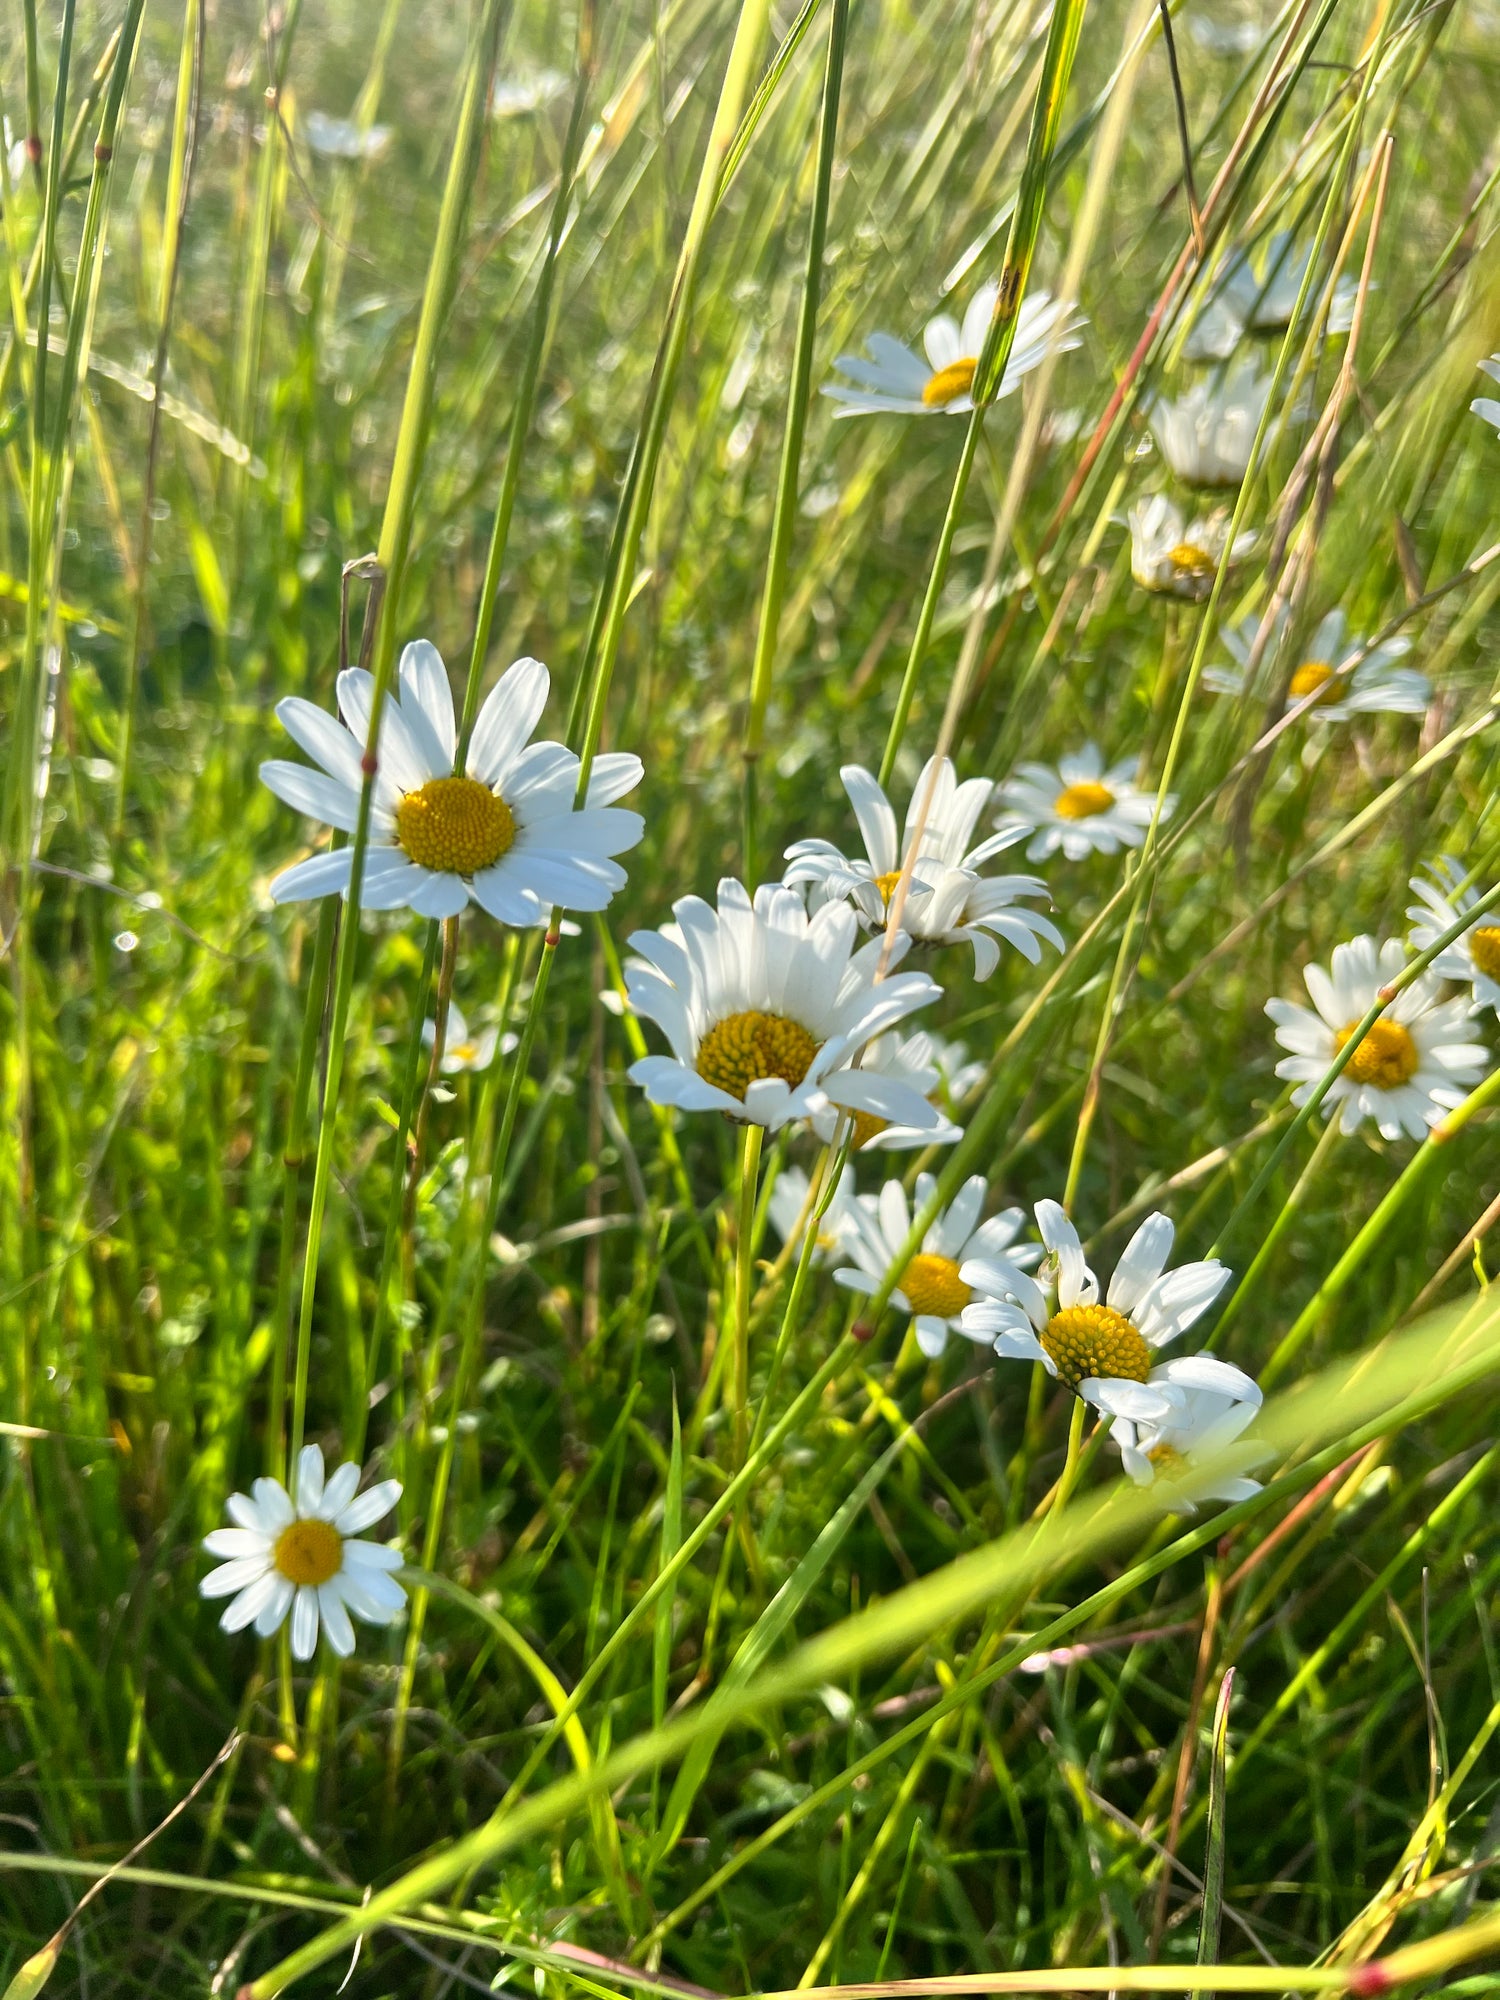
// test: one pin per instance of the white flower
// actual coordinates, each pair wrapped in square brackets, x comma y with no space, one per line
[505,831]
[1224,38]
[1377,685]
[463,1050]
[1206,435]
[909,1059]
[1204,1426]
[295,1553]
[1079,807]
[947,900]
[1104,1353]
[514,95]
[930,1288]
[1488,407]
[768,1009]
[1180,558]
[1258,293]
[958,1075]
[1405,1073]
[1474,957]
[890,377]
[16,156]
[788,1212]
[342,139]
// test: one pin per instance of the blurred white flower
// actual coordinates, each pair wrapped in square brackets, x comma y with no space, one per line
[1177,557]
[342,139]
[514,95]
[788,1211]
[1377,685]
[908,1058]
[1474,957]
[957,1073]
[1258,294]
[1162,1452]
[1488,407]
[890,377]
[1207,433]
[1224,38]
[1079,806]
[463,1049]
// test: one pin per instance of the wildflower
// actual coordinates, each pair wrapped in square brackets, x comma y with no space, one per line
[1376,686]
[1079,807]
[893,378]
[1488,407]
[464,1049]
[1223,38]
[1206,435]
[957,1074]
[343,139]
[947,900]
[1405,1072]
[1180,558]
[931,1287]
[910,1060]
[1104,1353]
[1258,294]
[296,1553]
[513,96]
[504,832]
[789,1208]
[768,1008]
[1203,1426]
[1473,958]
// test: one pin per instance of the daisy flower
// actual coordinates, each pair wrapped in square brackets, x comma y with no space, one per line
[910,1059]
[343,139]
[1406,1072]
[890,377]
[1179,558]
[1258,294]
[1205,1424]
[957,1074]
[295,1552]
[1079,807]
[1206,434]
[1488,407]
[1376,686]
[505,831]
[1475,957]
[463,1049]
[931,1287]
[787,1208]
[1104,1353]
[948,901]
[768,1009]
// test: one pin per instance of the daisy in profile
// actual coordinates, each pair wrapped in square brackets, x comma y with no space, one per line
[1408,1069]
[909,1058]
[948,901]
[931,1288]
[1378,685]
[1105,1353]
[1169,1451]
[768,1010]
[1258,294]
[1207,433]
[1079,807]
[1175,556]
[1473,958]
[1488,407]
[957,1075]
[296,1552]
[464,1049]
[505,831]
[789,1208]
[888,376]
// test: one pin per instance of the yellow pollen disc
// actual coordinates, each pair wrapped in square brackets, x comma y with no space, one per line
[455,826]
[1190,561]
[866,1126]
[464,1053]
[949,383]
[1167,1458]
[1082,801]
[1309,678]
[309,1552]
[1096,1340]
[1484,947]
[932,1285]
[886,884]
[1387,1057]
[744,1048]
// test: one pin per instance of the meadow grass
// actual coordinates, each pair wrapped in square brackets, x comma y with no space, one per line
[748,1645]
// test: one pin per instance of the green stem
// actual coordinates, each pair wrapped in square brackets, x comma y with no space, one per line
[744,1274]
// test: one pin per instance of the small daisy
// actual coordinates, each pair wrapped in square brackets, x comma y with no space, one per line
[1258,294]
[788,1212]
[910,1059]
[295,1553]
[957,1074]
[1474,957]
[1376,686]
[506,832]
[931,1288]
[1177,557]
[768,1009]
[948,901]
[1406,1072]
[343,139]
[1104,1353]
[1206,435]
[890,377]
[462,1049]
[1203,1427]
[1488,407]
[1079,807]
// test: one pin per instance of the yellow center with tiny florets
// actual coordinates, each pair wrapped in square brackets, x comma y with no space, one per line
[309,1552]
[866,1127]
[1082,801]
[1096,1340]
[1314,677]
[1387,1057]
[744,1048]
[932,1285]
[1192,563]
[886,884]
[1167,1459]
[949,383]
[455,826]
[1484,948]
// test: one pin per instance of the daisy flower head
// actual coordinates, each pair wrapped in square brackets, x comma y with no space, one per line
[789,1208]
[768,1010]
[1078,806]
[1473,958]
[1206,435]
[1378,685]
[1488,407]
[888,376]
[1177,557]
[931,1287]
[504,831]
[1262,287]
[1408,1069]
[1162,1451]
[948,901]
[296,1552]
[909,1058]
[1104,1352]
[957,1076]
[463,1047]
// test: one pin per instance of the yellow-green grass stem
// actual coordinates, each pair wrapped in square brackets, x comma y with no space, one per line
[744,1274]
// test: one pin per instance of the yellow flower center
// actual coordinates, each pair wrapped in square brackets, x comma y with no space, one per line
[1484,948]
[886,884]
[866,1127]
[309,1552]
[1096,1340]
[949,383]
[1083,800]
[932,1285]
[1387,1057]
[1167,1459]
[1190,561]
[1314,677]
[455,826]
[464,1052]
[744,1048]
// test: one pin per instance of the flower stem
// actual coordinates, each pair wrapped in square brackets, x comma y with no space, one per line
[1069,1478]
